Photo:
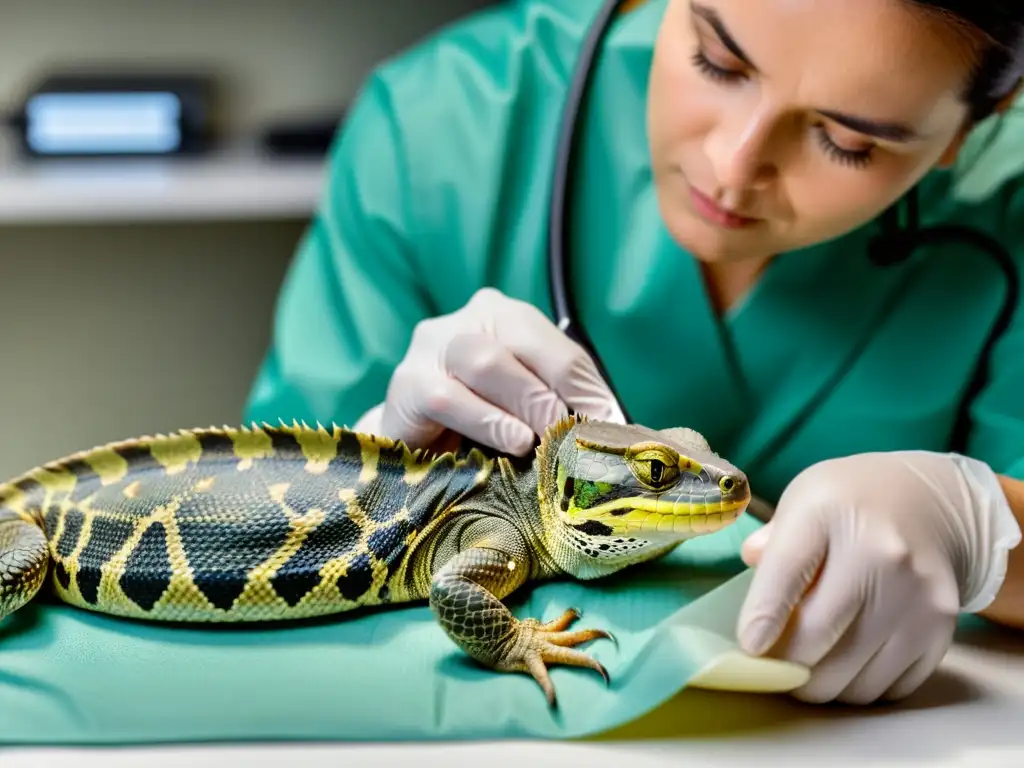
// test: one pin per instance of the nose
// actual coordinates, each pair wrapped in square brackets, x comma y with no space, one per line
[739,150]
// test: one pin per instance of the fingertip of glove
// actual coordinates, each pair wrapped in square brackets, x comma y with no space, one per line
[752,548]
[756,636]
[520,442]
[614,414]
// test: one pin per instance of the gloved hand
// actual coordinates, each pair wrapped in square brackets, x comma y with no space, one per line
[497,371]
[875,555]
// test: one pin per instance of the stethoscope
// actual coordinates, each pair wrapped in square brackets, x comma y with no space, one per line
[893,245]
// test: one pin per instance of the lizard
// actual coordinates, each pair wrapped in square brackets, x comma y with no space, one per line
[265,523]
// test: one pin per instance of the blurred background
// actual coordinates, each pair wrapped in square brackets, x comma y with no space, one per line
[136,293]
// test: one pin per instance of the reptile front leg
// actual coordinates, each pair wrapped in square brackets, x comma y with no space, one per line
[466,597]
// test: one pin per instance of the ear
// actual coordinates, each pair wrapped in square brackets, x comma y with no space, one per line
[953,150]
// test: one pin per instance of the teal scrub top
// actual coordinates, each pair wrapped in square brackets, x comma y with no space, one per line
[439,184]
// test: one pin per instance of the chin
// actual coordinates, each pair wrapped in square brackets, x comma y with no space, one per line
[710,244]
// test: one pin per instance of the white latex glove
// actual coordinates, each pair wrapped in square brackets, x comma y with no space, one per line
[496,371]
[875,555]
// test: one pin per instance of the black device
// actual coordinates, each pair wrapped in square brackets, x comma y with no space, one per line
[96,114]
[301,136]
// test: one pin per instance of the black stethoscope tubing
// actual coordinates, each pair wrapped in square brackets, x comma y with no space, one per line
[560,275]
[895,244]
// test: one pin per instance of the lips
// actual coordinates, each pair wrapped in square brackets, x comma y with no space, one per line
[714,213]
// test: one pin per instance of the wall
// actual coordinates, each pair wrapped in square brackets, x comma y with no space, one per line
[275,57]
[115,328]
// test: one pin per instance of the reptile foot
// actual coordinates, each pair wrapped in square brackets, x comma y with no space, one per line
[539,645]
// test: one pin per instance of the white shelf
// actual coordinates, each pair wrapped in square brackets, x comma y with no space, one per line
[239,185]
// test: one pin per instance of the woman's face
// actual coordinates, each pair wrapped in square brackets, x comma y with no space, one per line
[804,118]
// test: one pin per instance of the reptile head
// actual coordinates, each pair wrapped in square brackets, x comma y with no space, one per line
[618,494]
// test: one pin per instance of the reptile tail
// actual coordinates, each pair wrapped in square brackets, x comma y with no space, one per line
[24,560]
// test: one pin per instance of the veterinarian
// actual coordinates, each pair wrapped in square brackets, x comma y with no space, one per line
[796,227]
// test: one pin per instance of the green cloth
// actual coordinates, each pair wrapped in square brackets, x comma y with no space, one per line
[438,185]
[67,676]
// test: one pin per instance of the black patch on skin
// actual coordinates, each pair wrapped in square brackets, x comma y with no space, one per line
[29,485]
[80,469]
[220,589]
[147,572]
[222,546]
[284,441]
[384,496]
[139,457]
[335,536]
[62,575]
[388,544]
[594,528]
[216,444]
[294,584]
[355,583]
[106,538]
[73,521]
[567,493]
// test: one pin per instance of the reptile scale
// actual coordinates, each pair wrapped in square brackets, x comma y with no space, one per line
[266,523]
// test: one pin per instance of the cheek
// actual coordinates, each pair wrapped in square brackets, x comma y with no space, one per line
[681,108]
[832,198]
[850,191]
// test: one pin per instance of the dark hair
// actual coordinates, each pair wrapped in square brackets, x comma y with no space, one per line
[996,27]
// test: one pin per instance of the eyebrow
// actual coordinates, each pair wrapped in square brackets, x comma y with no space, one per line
[710,15]
[888,131]
[880,129]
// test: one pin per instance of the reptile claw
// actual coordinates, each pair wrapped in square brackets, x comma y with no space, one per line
[552,643]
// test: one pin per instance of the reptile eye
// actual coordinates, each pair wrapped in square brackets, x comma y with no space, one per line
[651,468]
[726,483]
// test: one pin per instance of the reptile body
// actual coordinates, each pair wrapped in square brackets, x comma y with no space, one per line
[288,522]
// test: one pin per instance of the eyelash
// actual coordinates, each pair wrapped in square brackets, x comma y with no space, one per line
[715,72]
[853,158]
[859,158]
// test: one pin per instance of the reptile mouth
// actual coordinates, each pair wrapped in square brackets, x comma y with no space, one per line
[643,523]
[677,509]
[651,516]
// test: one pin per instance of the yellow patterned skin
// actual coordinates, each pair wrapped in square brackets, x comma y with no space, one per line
[267,523]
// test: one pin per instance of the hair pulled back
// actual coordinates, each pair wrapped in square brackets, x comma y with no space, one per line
[997,27]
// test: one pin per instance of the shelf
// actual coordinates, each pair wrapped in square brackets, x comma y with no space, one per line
[225,186]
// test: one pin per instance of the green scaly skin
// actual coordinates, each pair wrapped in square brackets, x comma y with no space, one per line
[278,523]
